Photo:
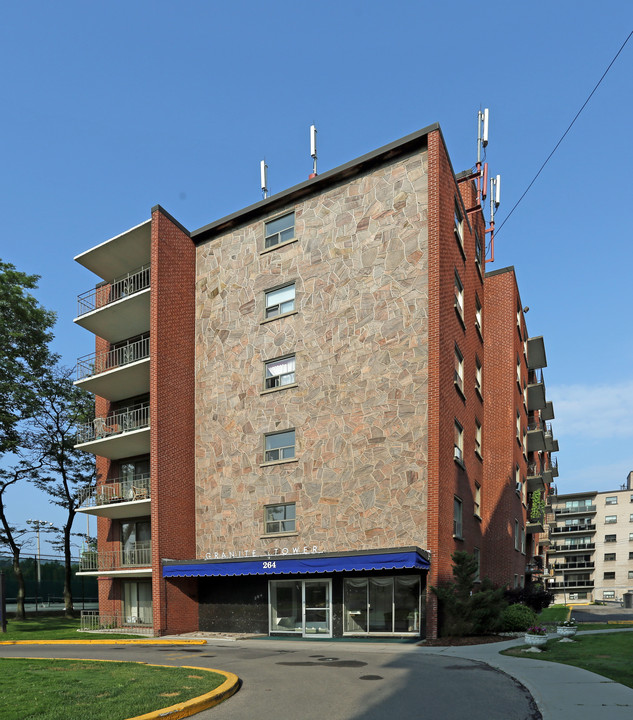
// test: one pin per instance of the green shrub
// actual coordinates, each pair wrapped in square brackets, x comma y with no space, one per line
[517,617]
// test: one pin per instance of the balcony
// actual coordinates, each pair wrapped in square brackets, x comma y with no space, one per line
[118,499]
[564,567]
[547,413]
[569,547]
[134,559]
[567,529]
[119,373]
[118,309]
[536,436]
[571,585]
[534,525]
[536,395]
[119,435]
[535,478]
[536,357]
[576,510]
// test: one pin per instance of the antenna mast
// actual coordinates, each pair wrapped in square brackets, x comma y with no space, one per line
[263,174]
[313,150]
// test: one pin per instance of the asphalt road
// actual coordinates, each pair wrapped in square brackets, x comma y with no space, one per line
[333,680]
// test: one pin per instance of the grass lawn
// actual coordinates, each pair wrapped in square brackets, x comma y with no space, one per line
[608,654]
[52,627]
[93,690]
[553,614]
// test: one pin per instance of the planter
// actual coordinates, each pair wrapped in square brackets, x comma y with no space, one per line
[564,631]
[535,640]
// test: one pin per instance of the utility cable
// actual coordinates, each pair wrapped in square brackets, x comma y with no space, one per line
[564,134]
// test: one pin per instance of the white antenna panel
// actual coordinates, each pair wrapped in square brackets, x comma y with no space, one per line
[485,132]
[497,190]
[263,174]
[313,147]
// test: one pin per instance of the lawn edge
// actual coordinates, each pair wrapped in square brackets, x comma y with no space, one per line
[103,642]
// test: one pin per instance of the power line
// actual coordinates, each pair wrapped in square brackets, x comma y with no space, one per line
[604,74]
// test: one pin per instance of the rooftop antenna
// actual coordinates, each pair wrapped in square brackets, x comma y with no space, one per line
[313,150]
[495,201]
[482,142]
[263,174]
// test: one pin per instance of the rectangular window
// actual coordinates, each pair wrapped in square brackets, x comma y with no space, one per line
[477,501]
[518,425]
[279,446]
[517,480]
[459,225]
[459,370]
[279,372]
[280,519]
[279,230]
[517,539]
[630,537]
[459,297]
[631,518]
[459,443]
[478,314]
[610,519]
[630,574]
[609,557]
[523,540]
[519,371]
[479,249]
[478,376]
[611,500]
[280,301]
[457,518]
[608,594]
[478,438]
[609,576]
[631,556]
[609,538]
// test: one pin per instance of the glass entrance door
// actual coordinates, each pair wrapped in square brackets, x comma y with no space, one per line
[301,606]
[317,608]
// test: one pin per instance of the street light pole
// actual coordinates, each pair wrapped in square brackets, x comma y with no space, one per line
[37,525]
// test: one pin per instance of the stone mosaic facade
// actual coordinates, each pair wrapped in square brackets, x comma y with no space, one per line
[360,335]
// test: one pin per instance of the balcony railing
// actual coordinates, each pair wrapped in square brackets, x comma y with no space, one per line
[577,546]
[574,528]
[588,565]
[572,584]
[134,417]
[117,491]
[93,621]
[118,289]
[534,469]
[118,357]
[132,555]
[575,510]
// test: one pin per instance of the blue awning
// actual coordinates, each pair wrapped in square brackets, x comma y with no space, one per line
[280,565]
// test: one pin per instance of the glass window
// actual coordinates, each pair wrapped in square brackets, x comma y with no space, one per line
[279,230]
[609,519]
[611,500]
[459,370]
[609,576]
[517,539]
[459,225]
[459,296]
[608,594]
[459,442]
[286,607]
[477,438]
[477,500]
[478,314]
[609,557]
[280,372]
[609,538]
[478,376]
[381,604]
[280,301]
[137,602]
[457,517]
[479,248]
[280,518]
[279,446]
[630,574]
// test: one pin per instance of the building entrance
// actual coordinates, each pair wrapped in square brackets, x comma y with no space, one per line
[303,607]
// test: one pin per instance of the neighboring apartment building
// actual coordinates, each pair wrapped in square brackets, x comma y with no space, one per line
[591,555]
[290,432]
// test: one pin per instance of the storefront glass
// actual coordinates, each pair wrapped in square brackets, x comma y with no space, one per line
[381,605]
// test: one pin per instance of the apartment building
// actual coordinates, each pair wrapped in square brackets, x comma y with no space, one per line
[591,551]
[290,430]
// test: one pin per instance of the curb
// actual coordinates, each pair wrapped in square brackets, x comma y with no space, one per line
[103,642]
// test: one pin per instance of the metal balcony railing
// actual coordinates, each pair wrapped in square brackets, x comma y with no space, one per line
[534,469]
[116,491]
[574,528]
[132,555]
[572,584]
[94,621]
[575,510]
[134,417]
[574,566]
[98,363]
[119,288]
[557,547]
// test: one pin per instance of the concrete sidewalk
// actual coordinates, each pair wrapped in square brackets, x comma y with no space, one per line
[562,692]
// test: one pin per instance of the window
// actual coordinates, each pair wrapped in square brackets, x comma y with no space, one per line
[525,443]
[477,502]
[611,500]
[457,517]
[631,556]
[478,314]
[518,426]
[630,537]
[608,595]
[459,297]
[609,557]
[280,519]
[459,443]
[525,395]
[631,518]
[477,557]
[459,370]
[478,438]
[609,519]
[280,301]
[279,373]
[519,371]
[478,376]
[523,540]
[517,479]
[516,536]
[609,538]
[279,446]
[609,576]
[479,249]
[630,574]
[279,230]
[459,225]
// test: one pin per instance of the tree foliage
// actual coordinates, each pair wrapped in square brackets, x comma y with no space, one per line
[467,607]
[25,331]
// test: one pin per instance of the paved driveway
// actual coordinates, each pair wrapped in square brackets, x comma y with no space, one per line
[602,613]
[332,680]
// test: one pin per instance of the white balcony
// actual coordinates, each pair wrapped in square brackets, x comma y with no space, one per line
[118,499]
[134,559]
[122,434]
[119,255]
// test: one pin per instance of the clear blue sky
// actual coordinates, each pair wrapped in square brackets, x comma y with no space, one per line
[110,108]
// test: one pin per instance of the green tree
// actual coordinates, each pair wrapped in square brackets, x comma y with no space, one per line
[65,471]
[25,331]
